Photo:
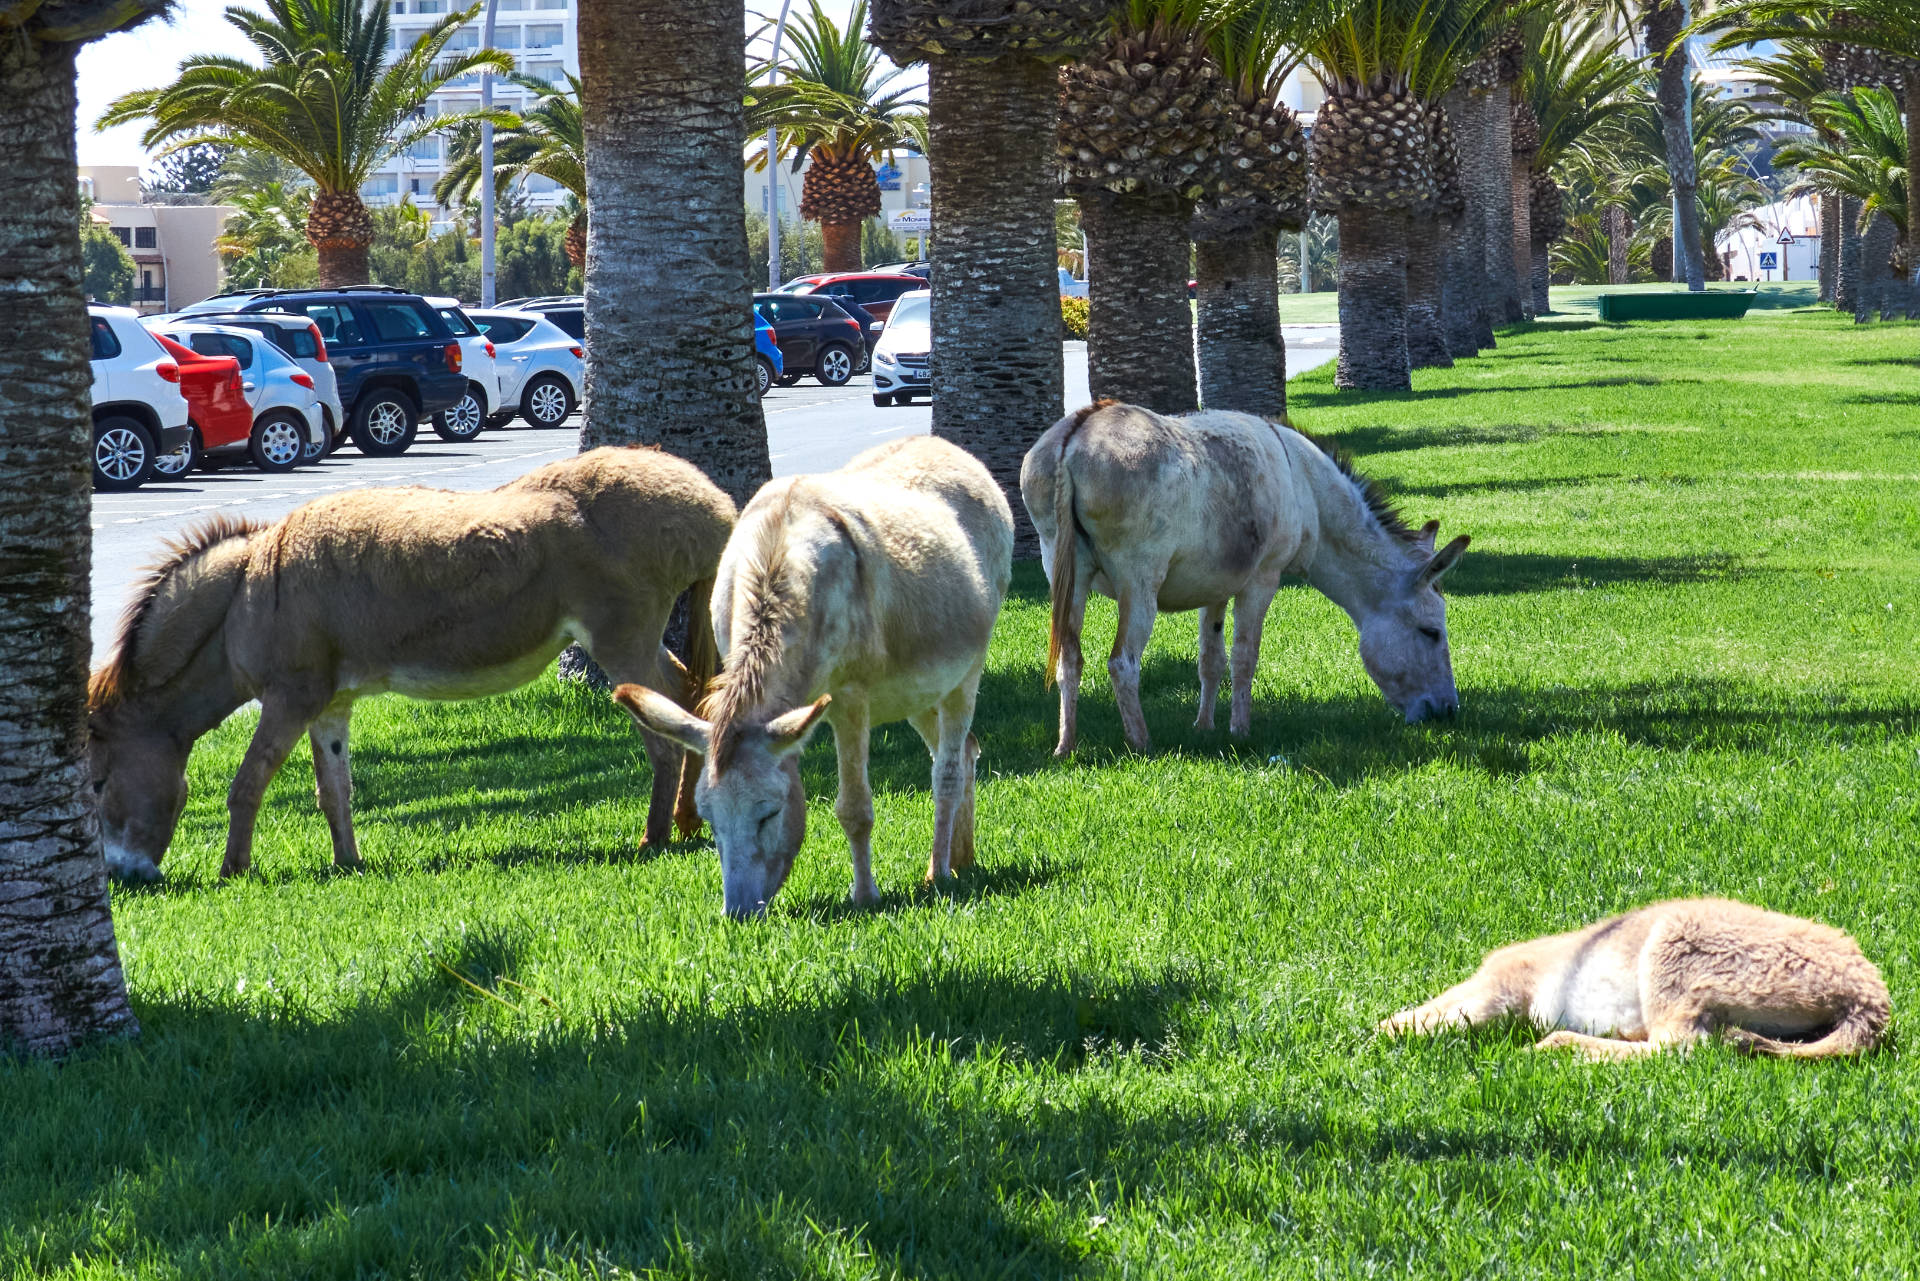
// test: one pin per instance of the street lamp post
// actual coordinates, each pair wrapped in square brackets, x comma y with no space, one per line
[773,172]
[486,170]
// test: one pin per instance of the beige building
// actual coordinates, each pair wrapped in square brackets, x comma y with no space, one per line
[172,245]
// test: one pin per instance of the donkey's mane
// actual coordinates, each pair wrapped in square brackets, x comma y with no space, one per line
[114,680]
[757,642]
[1369,492]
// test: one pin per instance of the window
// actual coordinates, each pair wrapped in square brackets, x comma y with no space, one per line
[398,321]
[429,6]
[540,185]
[457,321]
[503,329]
[909,310]
[465,38]
[106,344]
[506,37]
[514,6]
[546,35]
[551,72]
[146,237]
[210,344]
[549,4]
[425,149]
[381,184]
[572,321]
[338,326]
[124,235]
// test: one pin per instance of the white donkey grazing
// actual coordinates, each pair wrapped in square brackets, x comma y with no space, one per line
[1669,974]
[1172,514]
[863,596]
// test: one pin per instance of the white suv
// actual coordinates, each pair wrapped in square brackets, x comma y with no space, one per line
[139,413]
[299,339]
[540,365]
[465,420]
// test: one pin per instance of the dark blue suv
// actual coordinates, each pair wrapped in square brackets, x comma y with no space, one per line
[393,357]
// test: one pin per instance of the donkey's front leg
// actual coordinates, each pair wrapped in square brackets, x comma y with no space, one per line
[1213,660]
[282,718]
[1249,620]
[1139,602]
[854,805]
[333,780]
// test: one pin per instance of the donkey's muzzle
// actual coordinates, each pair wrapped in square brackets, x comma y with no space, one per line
[1428,709]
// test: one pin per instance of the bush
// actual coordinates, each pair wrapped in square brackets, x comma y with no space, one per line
[1073,317]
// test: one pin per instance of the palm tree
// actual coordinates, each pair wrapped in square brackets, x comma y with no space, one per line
[1259,190]
[1794,76]
[833,111]
[547,141]
[1662,21]
[993,102]
[328,101]
[259,240]
[60,976]
[1143,117]
[669,312]
[1859,151]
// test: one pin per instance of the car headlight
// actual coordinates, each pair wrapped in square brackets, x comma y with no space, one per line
[884,358]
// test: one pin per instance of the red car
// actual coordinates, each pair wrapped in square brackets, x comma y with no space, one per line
[875,290]
[217,407]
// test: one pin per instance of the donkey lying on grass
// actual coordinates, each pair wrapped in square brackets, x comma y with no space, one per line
[1673,973]
[1172,514]
[419,591]
[863,596]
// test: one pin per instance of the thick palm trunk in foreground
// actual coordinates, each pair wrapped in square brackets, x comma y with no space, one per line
[1846,276]
[1496,150]
[1427,346]
[1829,244]
[1872,290]
[1373,301]
[60,976]
[1243,358]
[1542,279]
[669,320]
[1140,326]
[1463,276]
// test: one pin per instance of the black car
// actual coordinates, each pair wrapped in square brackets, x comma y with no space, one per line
[394,359]
[817,335]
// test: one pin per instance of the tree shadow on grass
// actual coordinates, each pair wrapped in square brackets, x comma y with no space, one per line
[1511,485]
[1319,400]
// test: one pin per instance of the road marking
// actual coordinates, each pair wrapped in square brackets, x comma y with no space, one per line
[888,431]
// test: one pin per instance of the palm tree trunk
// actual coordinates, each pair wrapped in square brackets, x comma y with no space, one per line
[1619,229]
[1876,269]
[1140,326]
[1542,279]
[341,231]
[840,246]
[1829,245]
[1523,235]
[1910,261]
[1664,20]
[1463,281]
[669,306]
[1373,300]
[1426,301]
[1243,357]
[998,381]
[1497,211]
[1846,278]
[60,976]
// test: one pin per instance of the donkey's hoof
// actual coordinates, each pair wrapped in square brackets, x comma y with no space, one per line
[230,870]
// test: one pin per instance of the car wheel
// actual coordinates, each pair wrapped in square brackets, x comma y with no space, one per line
[786,380]
[278,442]
[181,461]
[122,455]
[881,402]
[547,401]
[765,369]
[466,419]
[384,423]
[834,367]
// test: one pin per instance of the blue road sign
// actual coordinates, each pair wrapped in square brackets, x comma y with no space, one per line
[1769,261]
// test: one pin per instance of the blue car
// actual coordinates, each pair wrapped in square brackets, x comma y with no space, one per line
[766,352]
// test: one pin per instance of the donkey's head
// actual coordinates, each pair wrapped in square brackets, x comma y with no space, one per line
[140,784]
[749,789]
[1403,638]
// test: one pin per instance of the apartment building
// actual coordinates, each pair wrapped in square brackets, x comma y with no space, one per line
[542,36]
[172,245]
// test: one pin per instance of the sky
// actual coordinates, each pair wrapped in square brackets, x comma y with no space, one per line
[149,55]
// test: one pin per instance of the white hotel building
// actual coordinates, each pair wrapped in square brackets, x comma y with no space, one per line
[542,36]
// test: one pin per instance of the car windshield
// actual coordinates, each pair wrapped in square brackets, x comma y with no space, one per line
[503,329]
[910,310]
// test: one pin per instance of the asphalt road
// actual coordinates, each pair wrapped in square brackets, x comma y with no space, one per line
[809,428]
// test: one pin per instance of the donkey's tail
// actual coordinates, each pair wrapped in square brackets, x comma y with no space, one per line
[1862,1029]
[703,660]
[1065,554]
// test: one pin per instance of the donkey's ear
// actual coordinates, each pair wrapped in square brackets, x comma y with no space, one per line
[661,715]
[1428,532]
[1443,560]
[789,732]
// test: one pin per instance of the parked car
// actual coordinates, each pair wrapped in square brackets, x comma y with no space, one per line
[298,338]
[768,363]
[900,360]
[568,311]
[138,411]
[288,427]
[537,365]
[393,356]
[466,419]
[918,267]
[1069,287]
[875,291]
[218,414]
[816,336]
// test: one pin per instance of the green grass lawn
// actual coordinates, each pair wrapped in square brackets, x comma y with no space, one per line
[1135,1042]
[1569,301]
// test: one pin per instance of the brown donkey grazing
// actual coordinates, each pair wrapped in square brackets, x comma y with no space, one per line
[1171,514]
[417,591]
[860,596]
[1670,974]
